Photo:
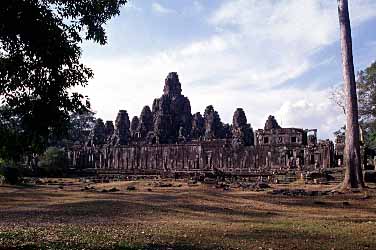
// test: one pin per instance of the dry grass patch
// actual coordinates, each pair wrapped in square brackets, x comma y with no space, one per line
[182,217]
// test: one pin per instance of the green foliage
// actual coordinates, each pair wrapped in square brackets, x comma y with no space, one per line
[53,162]
[12,142]
[366,85]
[370,139]
[40,61]
[11,173]
[80,126]
[340,132]
[366,89]
[367,93]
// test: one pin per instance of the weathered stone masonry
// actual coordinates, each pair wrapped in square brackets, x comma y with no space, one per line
[169,139]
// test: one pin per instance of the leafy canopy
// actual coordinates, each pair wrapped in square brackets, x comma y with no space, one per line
[40,60]
[366,90]
[367,103]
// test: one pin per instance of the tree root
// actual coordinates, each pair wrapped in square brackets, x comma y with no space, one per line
[346,188]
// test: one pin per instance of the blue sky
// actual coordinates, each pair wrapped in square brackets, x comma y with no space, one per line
[268,57]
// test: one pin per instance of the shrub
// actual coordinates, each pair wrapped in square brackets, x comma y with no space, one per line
[10,172]
[53,162]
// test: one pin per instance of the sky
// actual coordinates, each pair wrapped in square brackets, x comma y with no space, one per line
[269,57]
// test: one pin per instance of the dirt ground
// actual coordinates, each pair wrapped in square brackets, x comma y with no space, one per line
[64,215]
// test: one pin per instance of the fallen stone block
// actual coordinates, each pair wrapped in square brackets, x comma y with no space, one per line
[131,188]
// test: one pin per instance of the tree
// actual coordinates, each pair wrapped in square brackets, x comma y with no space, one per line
[366,84]
[80,126]
[40,61]
[12,144]
[337,96]
[366,90]
[53,162]
[353,171]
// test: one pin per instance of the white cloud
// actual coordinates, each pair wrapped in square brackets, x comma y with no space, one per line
[288,22]
[258,46]
[160,9]
[214,44]
[193,10]
[132,7]
[316,111]
[289,28]
[361,10]
[132,83]
[198,6]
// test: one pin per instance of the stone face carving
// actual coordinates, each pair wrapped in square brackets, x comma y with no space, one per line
[134,127]
[239,119]
[98,134]
[163,127]
[122,133]
[109,130]
[213,124]
[172,87]
[192,142]
[182,116]
[198,126]
[172,112]
[271,123]
[146,122]
[170,121]
[227,131]
[241,130]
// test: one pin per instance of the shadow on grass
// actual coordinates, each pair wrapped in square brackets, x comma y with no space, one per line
[112,209]
[122,246]
[176,246]
[19,186]
[327,203]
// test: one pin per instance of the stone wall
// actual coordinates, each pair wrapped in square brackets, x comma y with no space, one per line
[199,157]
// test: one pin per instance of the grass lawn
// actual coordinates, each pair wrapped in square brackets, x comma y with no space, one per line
[182,217]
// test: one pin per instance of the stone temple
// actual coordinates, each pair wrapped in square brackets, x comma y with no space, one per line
[169,139]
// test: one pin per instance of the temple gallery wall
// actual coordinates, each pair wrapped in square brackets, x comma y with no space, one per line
[169,138]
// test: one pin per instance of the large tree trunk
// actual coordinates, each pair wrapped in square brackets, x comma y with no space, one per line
[353,175]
